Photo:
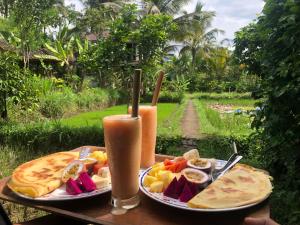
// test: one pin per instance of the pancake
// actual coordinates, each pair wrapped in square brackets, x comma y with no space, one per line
[240,186]
[41,176]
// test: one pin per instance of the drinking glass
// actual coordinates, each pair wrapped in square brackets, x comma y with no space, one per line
[122,135]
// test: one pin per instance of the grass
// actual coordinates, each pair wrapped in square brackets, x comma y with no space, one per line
[226,124]
[165,110]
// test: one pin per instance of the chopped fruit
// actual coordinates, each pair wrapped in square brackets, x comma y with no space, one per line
[155,170]
[72,170]
[72,187]
[100,156]
[195,176]
[168,162]
[181,165]
[192,154]
[100,181]
[96,168]
[104,172]
[164,176]
[157,165]
[180,185]
[148,180]
[171,189]
[186,194]
[194,188]
[87,182]
[157,186]
[172,167]
[176,167]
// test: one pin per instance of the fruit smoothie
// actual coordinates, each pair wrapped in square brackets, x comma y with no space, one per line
[148,114]
[122,134]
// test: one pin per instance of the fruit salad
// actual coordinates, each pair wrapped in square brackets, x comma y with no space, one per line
[174,179]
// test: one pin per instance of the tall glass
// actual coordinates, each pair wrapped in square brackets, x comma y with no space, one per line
[148,114]
[122,135]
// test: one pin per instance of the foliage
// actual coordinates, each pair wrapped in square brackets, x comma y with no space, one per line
[165,96]
[130,37]
[279,118]
[194,33]
[248,42]
[15,86]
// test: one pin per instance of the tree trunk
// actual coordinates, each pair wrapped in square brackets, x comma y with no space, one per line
[5,3]
[193,58]
[4,114]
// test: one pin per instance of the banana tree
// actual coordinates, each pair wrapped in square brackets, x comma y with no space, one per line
[61,53]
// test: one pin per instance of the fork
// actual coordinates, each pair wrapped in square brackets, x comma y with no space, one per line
[233,159]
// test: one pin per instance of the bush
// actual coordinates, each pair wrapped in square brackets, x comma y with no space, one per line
[219,96]
[50,136]
[165,97]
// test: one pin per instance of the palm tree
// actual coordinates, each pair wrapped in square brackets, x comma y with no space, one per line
[171,7]
[194,33]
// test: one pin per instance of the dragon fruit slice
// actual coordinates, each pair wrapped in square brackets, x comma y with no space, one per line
[193,187]
[180,185]
[86,181]
[72,187]
[186,194]
[171,189]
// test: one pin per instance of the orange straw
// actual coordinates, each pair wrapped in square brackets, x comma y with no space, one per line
[157,88]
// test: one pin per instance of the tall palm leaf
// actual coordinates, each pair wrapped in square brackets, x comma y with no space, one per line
[194,33]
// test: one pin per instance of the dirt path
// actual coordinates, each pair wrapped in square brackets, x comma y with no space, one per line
[190,122]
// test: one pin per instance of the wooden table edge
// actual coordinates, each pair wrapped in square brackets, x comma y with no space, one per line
[66,213]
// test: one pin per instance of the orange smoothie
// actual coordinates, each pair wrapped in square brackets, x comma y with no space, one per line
[148,114]
[122,134]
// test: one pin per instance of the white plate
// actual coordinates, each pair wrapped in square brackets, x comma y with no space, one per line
[181,205]
[60,194]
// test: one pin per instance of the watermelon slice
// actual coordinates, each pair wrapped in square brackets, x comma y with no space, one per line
[186,194]
[171,189]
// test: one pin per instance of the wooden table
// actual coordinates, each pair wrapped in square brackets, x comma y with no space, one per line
[96,210]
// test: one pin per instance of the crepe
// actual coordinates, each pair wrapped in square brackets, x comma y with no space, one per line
[240,186]
[41,176]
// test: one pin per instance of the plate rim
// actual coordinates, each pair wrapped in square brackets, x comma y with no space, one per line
[146,192]
[67,198]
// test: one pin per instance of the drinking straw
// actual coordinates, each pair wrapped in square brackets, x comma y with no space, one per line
[157,88]
[136,92]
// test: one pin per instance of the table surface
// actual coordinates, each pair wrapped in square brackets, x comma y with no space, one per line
[97,209]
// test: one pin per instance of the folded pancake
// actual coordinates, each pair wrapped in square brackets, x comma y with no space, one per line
[41,176]
[242,185]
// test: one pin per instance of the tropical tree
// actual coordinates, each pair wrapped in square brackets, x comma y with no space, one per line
[194,33]
[170,7]
[97,19]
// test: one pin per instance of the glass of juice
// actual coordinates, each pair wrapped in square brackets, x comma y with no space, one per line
[148,113]
[123,135]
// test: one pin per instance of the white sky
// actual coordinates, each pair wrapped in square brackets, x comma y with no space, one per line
[231,15]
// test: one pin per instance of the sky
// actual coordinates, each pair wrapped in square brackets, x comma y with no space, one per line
[231,15]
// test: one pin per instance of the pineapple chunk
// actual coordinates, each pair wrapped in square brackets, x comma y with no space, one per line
[100,156]
[171,177]
[148,180]
[155,170]
[164,176]
[157,187]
